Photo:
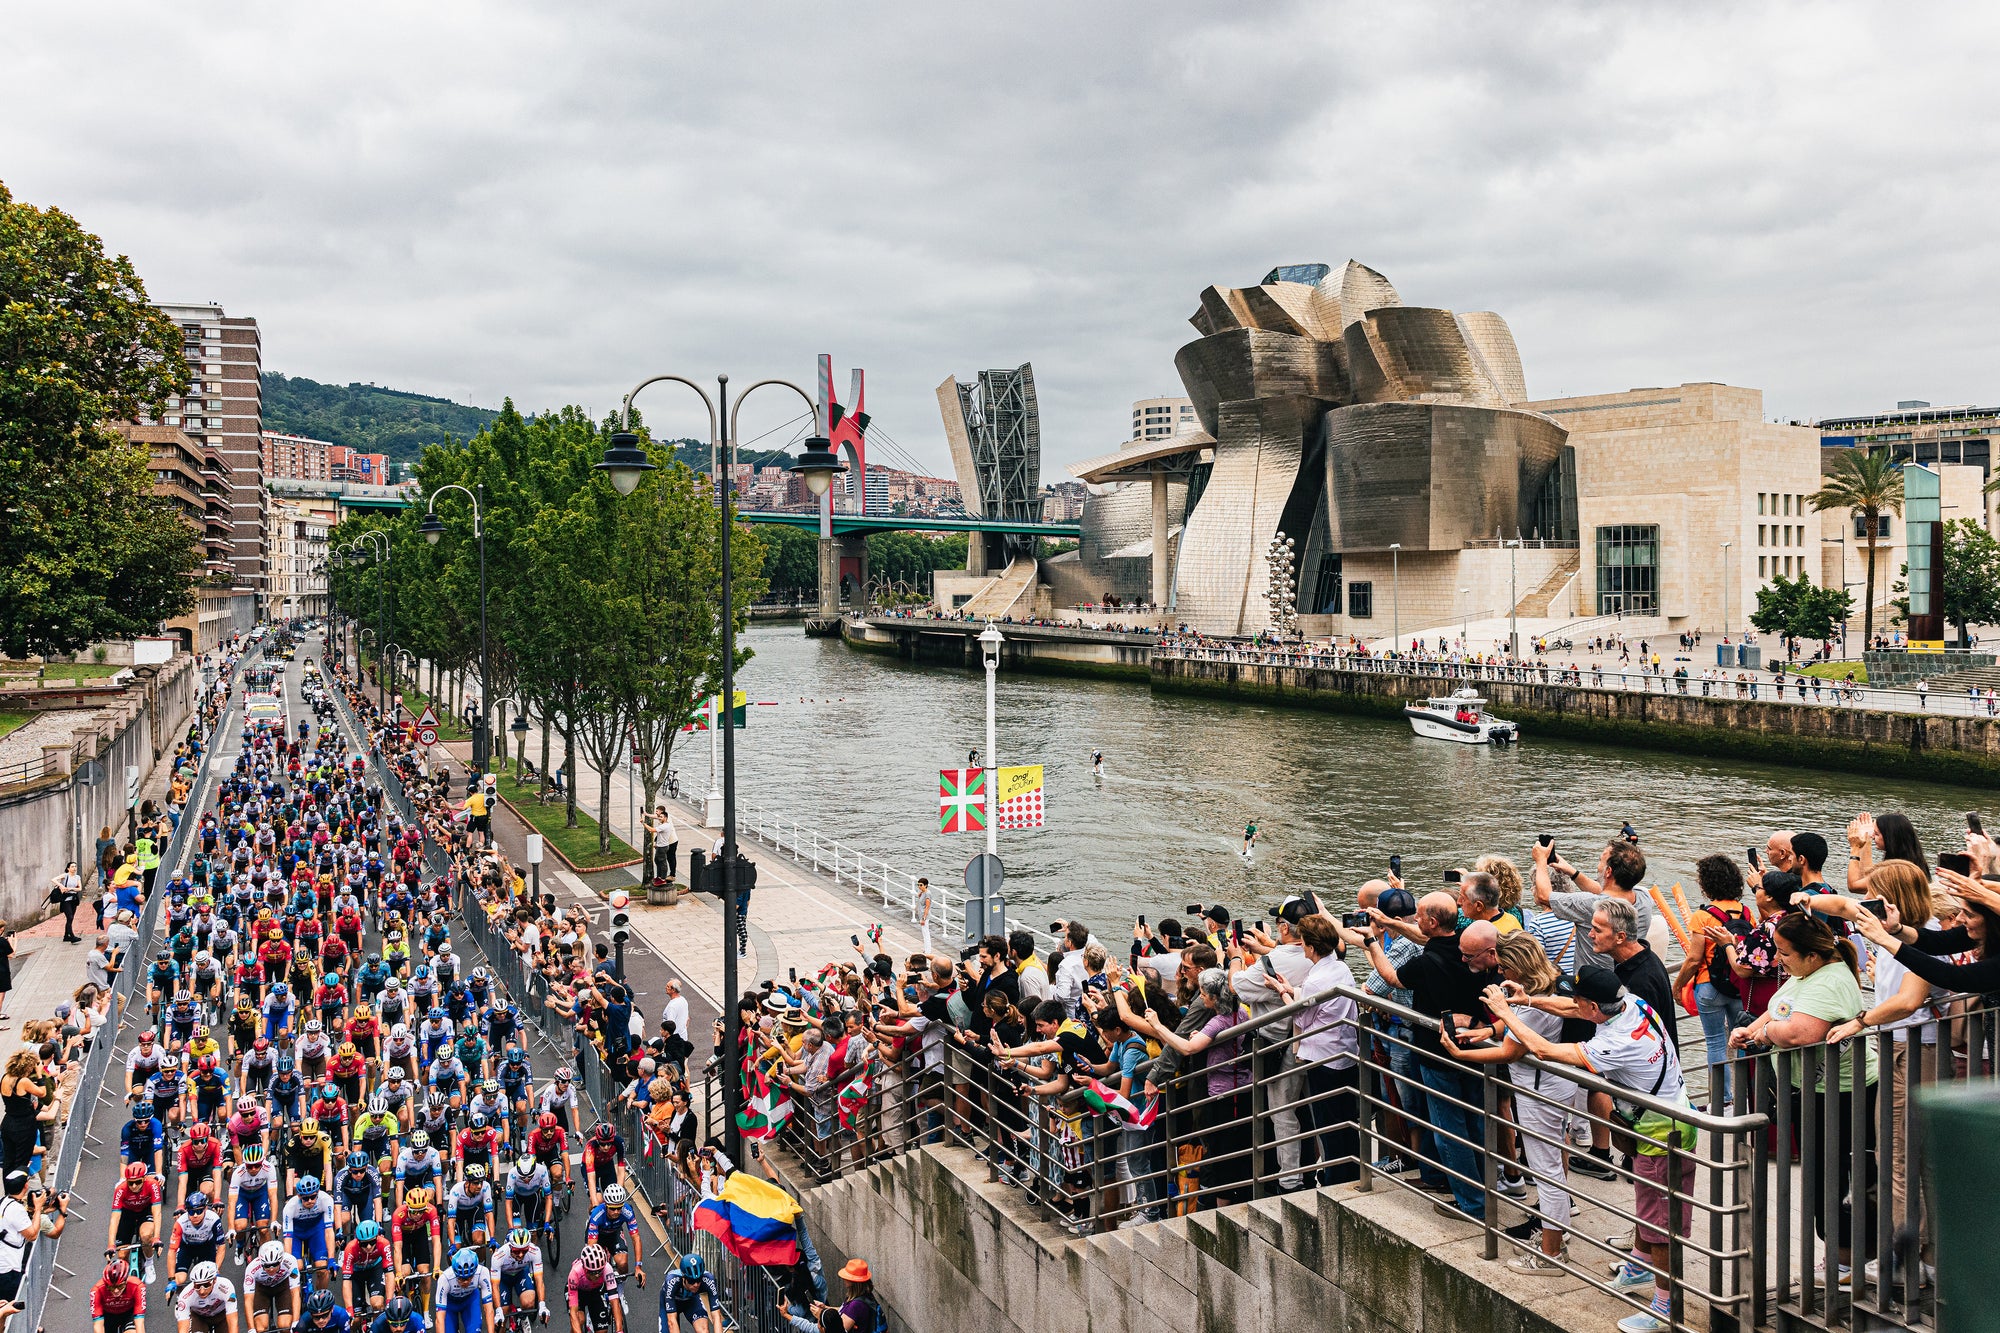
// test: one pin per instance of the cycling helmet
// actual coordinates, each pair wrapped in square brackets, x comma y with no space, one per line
[285,1062]
[246,1107]
[308,1186]
[478,1120]
[204,957]
[201,1275]
[474,1172]
[149,1036]
[603,1131]
[377,1104]
[348,1048]
[252,1154]
[594,1258]
[357,1160]
[319,1303]
[279,990]
[525,1164]
[615,1196]
[198,1132]
[262,1044]
[170,1061]
[117,1272]
[464,1264]
[272,1254]
[368,1232]
[313,1028]
[417,1199]
[436,1013]
[135,1171]
[397,1312]
[565,1074]
[420,1140]
[490,1087]
[396,1074]
[197,1202]
[520,1238]
[141,1113]
[183,996]
[516,1056]
[691,1267]
[547,1120]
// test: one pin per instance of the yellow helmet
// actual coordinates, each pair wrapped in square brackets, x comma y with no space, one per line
[417,1199]
[349,1048]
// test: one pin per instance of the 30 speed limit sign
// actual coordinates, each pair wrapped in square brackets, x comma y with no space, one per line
[428,735]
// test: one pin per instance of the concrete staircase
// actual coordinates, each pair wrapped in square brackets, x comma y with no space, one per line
[1011,591]
[1538,602]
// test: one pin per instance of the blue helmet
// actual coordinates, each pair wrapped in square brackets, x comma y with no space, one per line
[197,1202]
[357,1161]
[516,1056]
[464,1264]
[691,1267]
[308,1186]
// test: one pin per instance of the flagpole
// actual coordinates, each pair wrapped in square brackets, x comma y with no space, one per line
[992,656]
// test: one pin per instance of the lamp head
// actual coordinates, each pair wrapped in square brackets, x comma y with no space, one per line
[431,529]
[989,645]
[625,462]
[818,464]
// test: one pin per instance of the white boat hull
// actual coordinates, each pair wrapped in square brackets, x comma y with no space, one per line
[1486,731]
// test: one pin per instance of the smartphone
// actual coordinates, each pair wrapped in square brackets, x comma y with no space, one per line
[1260,927]
[1878,906]
[855,940]
[1356,920]
[794,975]
[1236,931]
[1193,909]
[1959,861]
[1547,840]
[1972,822]
[1452,877]
[1396,865]
[1142,918]
[1055,927]
[1751,852]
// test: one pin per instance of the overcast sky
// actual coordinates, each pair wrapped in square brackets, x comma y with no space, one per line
[553,201]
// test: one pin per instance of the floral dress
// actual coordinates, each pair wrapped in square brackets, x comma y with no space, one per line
[1758,951]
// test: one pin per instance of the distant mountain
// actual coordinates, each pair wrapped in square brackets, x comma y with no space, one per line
[367,417]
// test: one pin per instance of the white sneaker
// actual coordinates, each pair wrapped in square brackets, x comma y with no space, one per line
[1514,1187]
[1643,1322]
[1291,1182]
[1620,1242]
[1539,1264]
[1629,1276]
[150,1275]
[1926,1275]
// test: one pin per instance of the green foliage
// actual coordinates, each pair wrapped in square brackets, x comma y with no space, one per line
[1870,484]
[693,455]
[367,417]
[792,562]
[1798,609]
[86,550]
[912,556]
[1971,578]
[585,845]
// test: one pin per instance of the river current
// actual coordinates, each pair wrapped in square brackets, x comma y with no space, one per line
[850,743]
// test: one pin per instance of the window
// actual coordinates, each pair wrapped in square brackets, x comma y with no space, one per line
[1760,534]
[1761,572]
[1760,502]
[1361,600]
[1628,568]
[1326,587]
[1861,526]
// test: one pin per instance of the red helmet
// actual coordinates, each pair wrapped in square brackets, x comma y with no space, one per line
[547,1120]
[135,1171]
[261,1045]
[198,1132]
[117,1272]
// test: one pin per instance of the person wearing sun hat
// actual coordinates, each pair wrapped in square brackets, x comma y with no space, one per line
[860,1312]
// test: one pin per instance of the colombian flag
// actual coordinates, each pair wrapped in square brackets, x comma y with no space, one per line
[753,1220]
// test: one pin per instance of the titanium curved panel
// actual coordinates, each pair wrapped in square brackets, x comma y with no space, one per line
[1493,344]
[1362,289]
[1424,355]
[1432,476]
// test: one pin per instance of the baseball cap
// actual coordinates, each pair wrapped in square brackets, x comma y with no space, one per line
[1397,903]
[1599,985]
[1293,910]
[1219,915]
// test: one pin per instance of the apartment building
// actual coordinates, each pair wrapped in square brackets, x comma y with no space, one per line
[297,457]
[224,408]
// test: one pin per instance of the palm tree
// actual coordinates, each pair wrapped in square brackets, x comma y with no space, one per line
[1867,483]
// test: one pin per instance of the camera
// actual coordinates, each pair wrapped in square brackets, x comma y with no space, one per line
[968,953]
[1356,920]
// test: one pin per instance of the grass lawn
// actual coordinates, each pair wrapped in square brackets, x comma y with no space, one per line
[1837,671]
[449,728]
[62,670]
[579,844]
[12,721]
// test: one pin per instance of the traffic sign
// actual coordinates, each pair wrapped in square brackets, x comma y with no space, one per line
[429,720]
[428,735]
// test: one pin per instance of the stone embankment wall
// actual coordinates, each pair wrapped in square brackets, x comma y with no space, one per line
[950,1251]
[139,726]
[1963,750]
[1048,649]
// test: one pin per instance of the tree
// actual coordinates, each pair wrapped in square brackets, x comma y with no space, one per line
[1799,609]
[1971,578]
[1867,484]
[86,550]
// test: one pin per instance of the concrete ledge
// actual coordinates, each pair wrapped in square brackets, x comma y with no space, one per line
[946,1247]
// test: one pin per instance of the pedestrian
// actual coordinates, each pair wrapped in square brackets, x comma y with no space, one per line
[66,893]
[666,844]
[99,966]
[924,911]
[1923,694]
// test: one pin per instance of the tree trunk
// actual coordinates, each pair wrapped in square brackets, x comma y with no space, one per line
[544,785]
[1868,611]
[604,810]
[569,774]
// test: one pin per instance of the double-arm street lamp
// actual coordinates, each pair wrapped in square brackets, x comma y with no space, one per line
[364,545]
[626,464]
[432,530]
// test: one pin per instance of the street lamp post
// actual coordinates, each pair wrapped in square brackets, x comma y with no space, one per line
[1464,617]
[625,464]
[381,558]
[1396,594]
[989,651]
[1513,602]
[432,530]
[1725,589]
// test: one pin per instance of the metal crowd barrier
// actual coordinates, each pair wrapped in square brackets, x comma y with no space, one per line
[84,1226]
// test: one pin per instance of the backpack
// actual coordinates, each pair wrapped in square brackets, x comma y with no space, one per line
[1740,925]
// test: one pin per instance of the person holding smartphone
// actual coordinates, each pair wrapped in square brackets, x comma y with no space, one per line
[1261,984]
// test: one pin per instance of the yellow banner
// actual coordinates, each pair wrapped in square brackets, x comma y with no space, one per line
[1019,782]
[1925,645]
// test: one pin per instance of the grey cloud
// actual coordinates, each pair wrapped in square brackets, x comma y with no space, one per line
[550,202]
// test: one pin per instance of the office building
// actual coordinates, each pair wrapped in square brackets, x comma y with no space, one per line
[297,581]
[1157,418]
[224,407]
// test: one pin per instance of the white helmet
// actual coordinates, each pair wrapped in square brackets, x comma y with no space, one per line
[615,1195]
[202,1272]
[273,1253]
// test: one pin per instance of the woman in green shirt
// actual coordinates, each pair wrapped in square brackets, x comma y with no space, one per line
[1822,990]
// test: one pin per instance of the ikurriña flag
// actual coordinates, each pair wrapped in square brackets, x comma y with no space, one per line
[754,1220]
[962,800]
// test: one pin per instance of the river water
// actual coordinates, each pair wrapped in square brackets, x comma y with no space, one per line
[851,744]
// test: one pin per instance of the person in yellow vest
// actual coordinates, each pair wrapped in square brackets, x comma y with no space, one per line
[481,822]
[148,856]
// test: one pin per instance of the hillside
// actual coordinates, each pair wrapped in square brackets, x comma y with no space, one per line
[366,416]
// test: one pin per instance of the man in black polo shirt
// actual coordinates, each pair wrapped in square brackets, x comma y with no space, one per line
[1445,981]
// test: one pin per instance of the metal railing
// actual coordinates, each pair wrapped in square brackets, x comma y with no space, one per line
[1745,1227]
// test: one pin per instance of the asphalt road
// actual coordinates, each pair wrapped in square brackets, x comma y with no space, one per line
[88,1229]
